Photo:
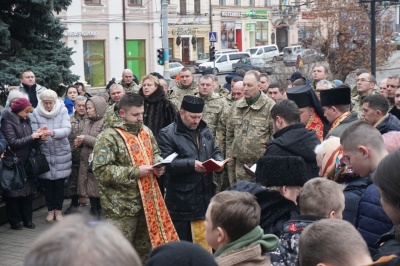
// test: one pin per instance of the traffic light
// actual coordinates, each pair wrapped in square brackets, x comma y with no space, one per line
[212,53]
[160,56]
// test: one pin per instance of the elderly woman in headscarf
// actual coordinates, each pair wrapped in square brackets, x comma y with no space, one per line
[53,116]
[333,166]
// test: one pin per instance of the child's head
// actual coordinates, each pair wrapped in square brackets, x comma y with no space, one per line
[387,178]
[286,174]
[332,242]
[322,197]
[230,215]
[72,92]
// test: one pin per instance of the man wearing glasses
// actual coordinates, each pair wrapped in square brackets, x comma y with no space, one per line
[366,85]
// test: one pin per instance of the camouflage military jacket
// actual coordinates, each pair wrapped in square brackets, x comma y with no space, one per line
[288,249]
[178,91]
[248,126]
[222,91]
[133,87]
[357,101]
[214,106]
[77,124]
[113,169]
[111,116]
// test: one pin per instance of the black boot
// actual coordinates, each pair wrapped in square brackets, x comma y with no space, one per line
[99,211]
[74,205]
[93,209]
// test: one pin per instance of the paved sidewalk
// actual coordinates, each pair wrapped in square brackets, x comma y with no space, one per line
[14,244]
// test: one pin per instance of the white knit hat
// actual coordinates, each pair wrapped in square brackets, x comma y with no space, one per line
[48,95]
[15,94]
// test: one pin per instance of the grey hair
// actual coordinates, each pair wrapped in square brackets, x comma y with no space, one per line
[80,98]
[325,82]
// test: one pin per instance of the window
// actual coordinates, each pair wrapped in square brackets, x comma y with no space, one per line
[136,57]
[222,2]
[252,3]
[171,47]
[94,63]
[197,7]
[222,59]
[135,2]
[238,2]
[267,2]
[200,46]
[182,7]
[92,2]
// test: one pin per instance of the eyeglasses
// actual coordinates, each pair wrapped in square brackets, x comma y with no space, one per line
[363,80]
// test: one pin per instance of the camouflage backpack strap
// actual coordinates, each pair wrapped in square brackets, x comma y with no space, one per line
[159,223]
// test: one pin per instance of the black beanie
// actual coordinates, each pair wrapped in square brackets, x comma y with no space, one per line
[192,104]
[281,171]
[181,253]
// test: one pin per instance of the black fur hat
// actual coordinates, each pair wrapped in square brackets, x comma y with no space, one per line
[281,171]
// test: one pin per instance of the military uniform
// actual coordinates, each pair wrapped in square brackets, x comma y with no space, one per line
[133,87]
[178,91]
[118,183]
[357,102]
[247,127]
[77,124]
[222,91]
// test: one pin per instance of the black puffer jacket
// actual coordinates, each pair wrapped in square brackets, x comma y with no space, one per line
[391,123]
[296,140]
[188,192]
[159,112]
[275,208]
[352,194]
[17,132]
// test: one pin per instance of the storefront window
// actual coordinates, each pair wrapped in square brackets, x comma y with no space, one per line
[135,2]
[93,55]
[261,33]
[171,47]
[136,57]
[227,34]
[200,46]
[92,2]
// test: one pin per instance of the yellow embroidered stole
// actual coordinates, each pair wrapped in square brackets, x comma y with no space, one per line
[315,123]
[159,223]
[339,120]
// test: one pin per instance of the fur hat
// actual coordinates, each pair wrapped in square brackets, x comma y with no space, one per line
[281,171]
[48,95]
[341,95]
[20,105]
[180,254]
[192,104]
[14,94]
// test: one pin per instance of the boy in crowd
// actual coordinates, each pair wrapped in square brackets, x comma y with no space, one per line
[242,241]
[320,198]
[332,242]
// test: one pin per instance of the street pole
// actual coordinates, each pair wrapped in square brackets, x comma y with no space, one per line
[164,7]
[373,39]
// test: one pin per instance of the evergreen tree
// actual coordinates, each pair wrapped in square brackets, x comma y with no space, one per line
[30,37]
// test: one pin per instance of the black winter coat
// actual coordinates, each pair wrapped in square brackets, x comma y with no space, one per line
[396,112]
[391,123]
[275,208]
[17,132]
[296,140]
[188,192]
[159,112]
[352,193]
[388,245]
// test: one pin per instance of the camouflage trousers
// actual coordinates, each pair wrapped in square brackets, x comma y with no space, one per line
[73,186]
[240,172]
[134,228]
[222,180]
[231,171]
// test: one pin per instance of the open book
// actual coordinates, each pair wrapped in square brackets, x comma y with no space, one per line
[167,160]
[211,165]
[250,170]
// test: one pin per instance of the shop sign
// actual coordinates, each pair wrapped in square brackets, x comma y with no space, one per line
[80,33]
[233,14]
[250,26]
[308,15]
[182,31]
[257,14]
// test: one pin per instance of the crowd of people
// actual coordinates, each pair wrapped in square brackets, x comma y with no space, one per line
[311,177]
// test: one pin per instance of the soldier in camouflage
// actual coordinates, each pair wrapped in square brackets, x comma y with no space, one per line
[218,88]
[128,82]
[118,177]
[366,85]
[186,86]
[77,120]
[249,125]
[116,93]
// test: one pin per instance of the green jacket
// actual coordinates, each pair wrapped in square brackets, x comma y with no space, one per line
[357,101]
[133,87]
[248,126]
[179,91]
[113,169]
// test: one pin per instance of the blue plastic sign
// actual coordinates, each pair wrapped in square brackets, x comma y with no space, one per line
[212,36]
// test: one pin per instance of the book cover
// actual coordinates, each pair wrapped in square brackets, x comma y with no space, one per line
[250,170]
[166,161]
[211,165]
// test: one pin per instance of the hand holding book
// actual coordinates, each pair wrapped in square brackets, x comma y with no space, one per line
[212,165]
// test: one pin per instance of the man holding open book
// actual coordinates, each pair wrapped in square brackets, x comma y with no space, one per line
[190,185]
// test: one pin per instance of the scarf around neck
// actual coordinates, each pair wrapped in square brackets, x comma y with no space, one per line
[56,109]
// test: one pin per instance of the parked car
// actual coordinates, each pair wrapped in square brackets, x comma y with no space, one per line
[173,59]
[253,64]
[223,63]
[206,57]
[174,69]
[308,56]
[265,52]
